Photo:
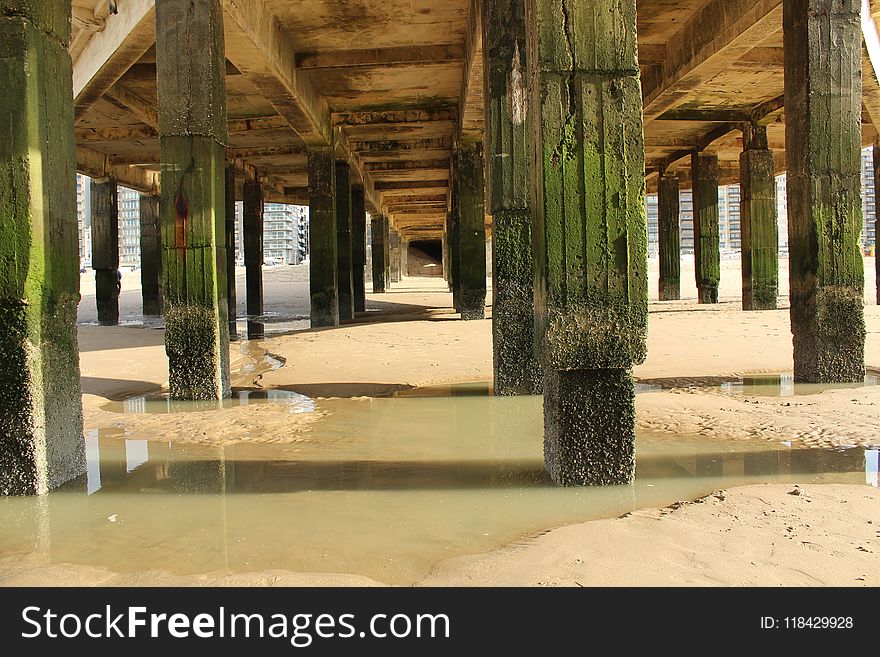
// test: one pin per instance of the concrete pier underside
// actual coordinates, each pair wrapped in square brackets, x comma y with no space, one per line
[579,107]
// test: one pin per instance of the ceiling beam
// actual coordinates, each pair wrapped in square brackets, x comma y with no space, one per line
[408,185]
[407,165]
[126,36]
[263,53]
[145,112]
[720,32]
[402,55]
[470,110]
[401,146]
[395,117]
[93,164]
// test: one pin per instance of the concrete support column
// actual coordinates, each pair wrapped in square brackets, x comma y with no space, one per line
[41,442]
[444,249]
[759,230]
[471,231]
[591,297]
[452,240]
[151,255]
[508,132]
[105,250]
[404,257]
[876,153]
[344,249]
[252,213]
[707,254]
[358,247]
[191,78]
[394,256]
[386,242]
[322,238]
[823,91]
[377,248]
[670,238]
[231,302]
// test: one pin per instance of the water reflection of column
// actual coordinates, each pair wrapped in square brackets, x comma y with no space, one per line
[111,446]
[761,463]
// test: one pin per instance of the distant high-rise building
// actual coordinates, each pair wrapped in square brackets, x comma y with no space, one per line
[128,208]
[84,218]
[285,233]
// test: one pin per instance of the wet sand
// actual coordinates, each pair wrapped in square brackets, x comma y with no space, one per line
[409,337]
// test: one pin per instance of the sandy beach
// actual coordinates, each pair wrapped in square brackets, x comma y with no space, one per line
[409,337]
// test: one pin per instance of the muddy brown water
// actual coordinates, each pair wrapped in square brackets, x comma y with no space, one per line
[383,488]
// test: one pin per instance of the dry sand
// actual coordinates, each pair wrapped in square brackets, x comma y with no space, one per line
[409,337]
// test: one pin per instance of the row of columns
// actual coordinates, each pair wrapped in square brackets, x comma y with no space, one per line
[758,226]
[578,122]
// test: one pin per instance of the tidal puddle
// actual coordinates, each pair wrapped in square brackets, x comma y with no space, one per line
[383,488]
[783,385]
[163,404]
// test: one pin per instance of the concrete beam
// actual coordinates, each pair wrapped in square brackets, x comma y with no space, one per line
[395,118]
[470,110]
[126,36]
[97,165]
[384,57]
[719,31]
[262,51]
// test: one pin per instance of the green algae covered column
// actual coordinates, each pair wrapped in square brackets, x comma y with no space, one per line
[508,159]
[591,297]
[823,91]
[322,238]
[670,237]
[707,253]
[358,247]
[105,249]
[41,443]
[760,235]
[151,255]
[190,73]
[344,249]
[453,234]
[471,231]
[232,310]
[377,247]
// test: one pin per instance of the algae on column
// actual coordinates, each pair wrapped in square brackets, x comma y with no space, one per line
[191,80]
[707,253]
[41,443]
[471,231]
[669,232]
[590,233]
[151,255]
[377,248]
[823,91]
[344,250]
[323,280]
[758,226]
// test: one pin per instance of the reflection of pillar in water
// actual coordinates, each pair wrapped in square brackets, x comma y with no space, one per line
[842,461]
[872,466]
[112,468]
[710,465]
[759,463]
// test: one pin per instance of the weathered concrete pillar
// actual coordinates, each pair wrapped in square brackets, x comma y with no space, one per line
[387,244]
[471,231]
[344,249]
[591,297]
[322,238]
[823,91]
[707,254]
[508,133]
[231,302]
[876,153]
[105,250]
[151,254]
[377,247]
[759,231]
[394,256]
[670,238]
[444,249]
[191,78]
[453,232]
[358,247]
[252,214]
[404,257]
[41,442]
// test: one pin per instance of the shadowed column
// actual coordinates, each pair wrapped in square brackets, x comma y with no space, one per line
[322,238]
[151,255]
[707,254]
[41,441]
[670,237]
[358,247]
[105,250]
[231,302]
[191,78]
[591,297]
[823,91]
[252,213]
[471,231]
[508,160]
[394,256]
[344,249]
[377,248]
[760,235]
